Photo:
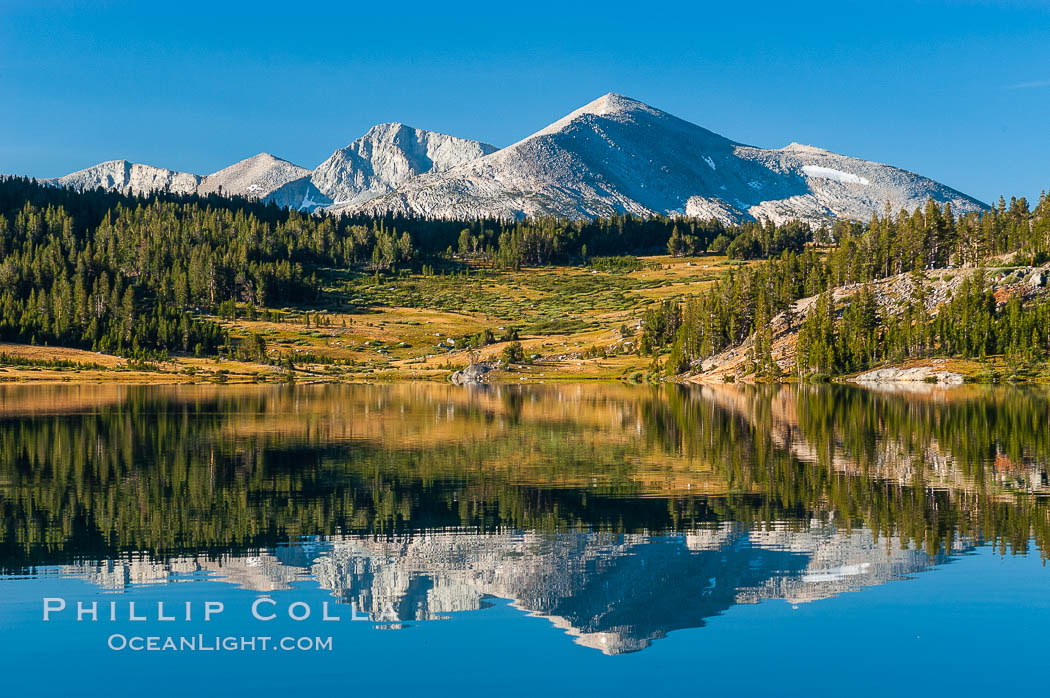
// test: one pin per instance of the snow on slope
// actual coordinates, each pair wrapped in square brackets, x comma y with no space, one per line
[834,175]
[616,155]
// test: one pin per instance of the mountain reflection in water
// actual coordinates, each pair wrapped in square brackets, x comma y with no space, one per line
[619,513]
[613,592]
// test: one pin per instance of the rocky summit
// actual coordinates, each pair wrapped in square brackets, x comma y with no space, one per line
[613,155]
[388,156]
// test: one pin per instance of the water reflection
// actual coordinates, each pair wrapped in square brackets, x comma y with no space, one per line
[618,513]
[612,592]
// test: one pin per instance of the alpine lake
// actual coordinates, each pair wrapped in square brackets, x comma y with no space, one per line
[587,539]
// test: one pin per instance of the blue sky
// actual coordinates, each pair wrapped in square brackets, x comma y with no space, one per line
[958,91]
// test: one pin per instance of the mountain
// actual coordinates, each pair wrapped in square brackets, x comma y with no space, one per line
[619,155]
[614,155]
[126,177]
[386,157]
[258,176]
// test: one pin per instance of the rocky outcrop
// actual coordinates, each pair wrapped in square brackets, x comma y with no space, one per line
[474,373]
[922,374]
[892,294]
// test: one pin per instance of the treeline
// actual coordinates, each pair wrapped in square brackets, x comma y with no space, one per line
[542,241]
[141,275]
[743,304]
[536,242]
[138,276]
[751,240]
[971,325]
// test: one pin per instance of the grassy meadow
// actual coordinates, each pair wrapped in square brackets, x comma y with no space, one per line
[570,321]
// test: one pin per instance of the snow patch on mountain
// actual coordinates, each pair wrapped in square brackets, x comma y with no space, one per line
[836,175]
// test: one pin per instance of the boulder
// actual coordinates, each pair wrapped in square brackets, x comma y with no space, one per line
[472,374]
[913,374]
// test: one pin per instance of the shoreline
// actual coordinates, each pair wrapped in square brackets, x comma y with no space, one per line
[56,377]
[30,364]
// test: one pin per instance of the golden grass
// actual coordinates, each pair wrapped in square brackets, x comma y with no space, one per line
[39,353]
[390,342]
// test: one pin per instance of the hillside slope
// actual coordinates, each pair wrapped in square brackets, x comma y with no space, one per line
[258,176]
[892,295]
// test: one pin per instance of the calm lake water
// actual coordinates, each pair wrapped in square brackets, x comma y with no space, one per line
[593,540]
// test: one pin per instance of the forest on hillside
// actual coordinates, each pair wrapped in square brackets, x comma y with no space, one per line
[148,276]
[858,333]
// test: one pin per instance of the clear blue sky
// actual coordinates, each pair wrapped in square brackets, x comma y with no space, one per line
[958,91]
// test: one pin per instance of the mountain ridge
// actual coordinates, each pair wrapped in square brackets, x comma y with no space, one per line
[619,155]
[385,156]
[612,155]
